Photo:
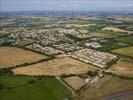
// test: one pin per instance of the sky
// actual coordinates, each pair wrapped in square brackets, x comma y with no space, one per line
[41,5]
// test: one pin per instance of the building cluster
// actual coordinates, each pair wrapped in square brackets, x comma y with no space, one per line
[94,57]
[66,47]
[93,44]
[46,50]
[55,41]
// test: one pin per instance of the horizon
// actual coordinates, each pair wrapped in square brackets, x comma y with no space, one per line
[66,5]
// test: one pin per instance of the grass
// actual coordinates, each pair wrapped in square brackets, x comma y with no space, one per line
[113,34]
[110,46]
[1,33]
[12,81]
[127,51]
[125,39]
[130,28]
[22,43]
[46,89]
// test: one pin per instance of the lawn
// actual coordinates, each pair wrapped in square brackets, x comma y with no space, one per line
[127,51]
[46,89]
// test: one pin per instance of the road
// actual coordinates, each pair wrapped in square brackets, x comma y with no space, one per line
[121,96]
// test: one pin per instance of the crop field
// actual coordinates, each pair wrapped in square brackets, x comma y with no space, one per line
[56,67]
[11,56]
[75,82]
[127,51]
[47,88]
[108,87]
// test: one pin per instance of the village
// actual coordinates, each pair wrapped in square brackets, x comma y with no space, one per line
[75,56]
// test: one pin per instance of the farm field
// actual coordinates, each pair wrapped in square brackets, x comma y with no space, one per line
[75,82]
[125,39]
[123,67]
[77,50]
[22,43]
[49,88]
[107,87]
[110,46]
[116,29]
[127,51]
[13,81]
[11,56]
[56,67]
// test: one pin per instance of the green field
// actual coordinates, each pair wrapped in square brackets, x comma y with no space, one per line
[22,43]
[125,39]
[111,46]
[1,33]
[45,89]
[113,34]
[127,51]
[12,81]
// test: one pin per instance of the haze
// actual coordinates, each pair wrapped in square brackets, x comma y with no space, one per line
[94,5]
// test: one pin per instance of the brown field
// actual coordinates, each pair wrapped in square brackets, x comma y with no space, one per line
[101,35]
[127,51]
[89,18]
[122,65]
[123,18]
[106,87]
[75,82]
[115,29]
[56,67]
[79,25]
[7,21]
[11,56]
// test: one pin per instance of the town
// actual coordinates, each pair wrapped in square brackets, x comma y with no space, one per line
[66,56]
